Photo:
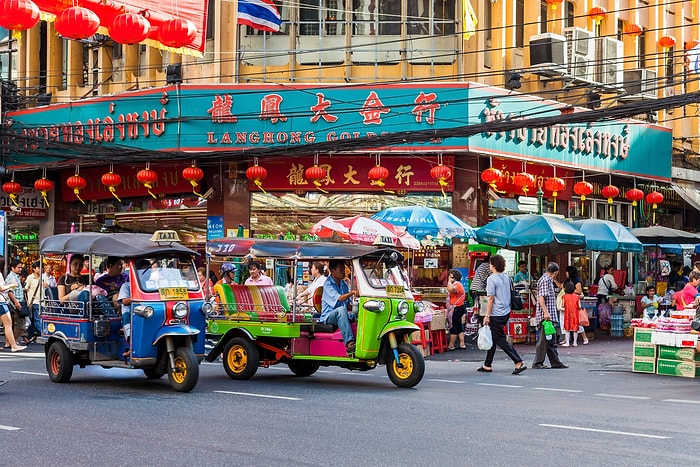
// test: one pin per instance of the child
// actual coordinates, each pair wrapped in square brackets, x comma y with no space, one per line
[650,302]
[572,303]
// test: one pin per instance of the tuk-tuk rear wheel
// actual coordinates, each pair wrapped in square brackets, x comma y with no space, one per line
[59,363]
[412,367]
[184,375]
[241,358]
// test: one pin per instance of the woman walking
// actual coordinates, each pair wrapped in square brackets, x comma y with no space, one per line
[456,296]
[5,316]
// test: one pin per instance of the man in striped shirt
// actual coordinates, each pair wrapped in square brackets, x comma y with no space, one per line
[547,310]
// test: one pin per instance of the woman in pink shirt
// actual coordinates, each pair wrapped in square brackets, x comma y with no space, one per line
[687,296]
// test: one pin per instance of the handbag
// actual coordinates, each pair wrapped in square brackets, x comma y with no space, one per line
[23,311]
[516,301]
[583,317]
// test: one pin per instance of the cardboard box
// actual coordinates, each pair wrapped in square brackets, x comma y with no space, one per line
[643,365]
[425,351]
[439,322]
[644,350]
[642,335]
[663,338]
[677,368]
[678,353]
[686,340]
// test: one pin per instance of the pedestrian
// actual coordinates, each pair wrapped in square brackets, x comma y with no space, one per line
[573,277]
[606,284]
[48,275]
[17,300]
[497,314]
[34,286]
[5,315]
[546,311]
[572,303]
[477,287]
[456,297]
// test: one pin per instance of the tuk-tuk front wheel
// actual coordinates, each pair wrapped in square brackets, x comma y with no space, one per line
[411,368]
[59,363]
[184,375]
[241,358]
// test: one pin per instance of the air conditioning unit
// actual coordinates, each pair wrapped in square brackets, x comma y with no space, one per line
[640,84]
[609,54]
[580,53]
[548,54]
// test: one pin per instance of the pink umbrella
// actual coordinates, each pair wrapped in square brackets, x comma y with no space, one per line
[361,229]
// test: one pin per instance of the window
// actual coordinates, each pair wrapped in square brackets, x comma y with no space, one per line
[543,16]
[211,19]
[440,16]
[519,20]
[321,15]
[569,14]
[642,49]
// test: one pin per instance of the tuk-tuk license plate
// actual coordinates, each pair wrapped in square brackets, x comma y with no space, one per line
[173,293]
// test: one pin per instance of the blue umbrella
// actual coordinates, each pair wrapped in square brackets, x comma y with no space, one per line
[420,221]
[602,235]
[535,233]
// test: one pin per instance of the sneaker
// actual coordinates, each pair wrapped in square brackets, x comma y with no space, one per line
[561,365]
[575,344]
[540,366]
[350,347]
[565,345]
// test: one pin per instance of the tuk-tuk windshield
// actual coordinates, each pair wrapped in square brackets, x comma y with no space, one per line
[380,273]
[160,273]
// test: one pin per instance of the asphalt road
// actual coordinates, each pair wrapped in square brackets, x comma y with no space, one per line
[597,413]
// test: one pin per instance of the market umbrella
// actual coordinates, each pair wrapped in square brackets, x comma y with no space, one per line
[421,221]
[359,229]
[658,234]
[602,235]
[533,233]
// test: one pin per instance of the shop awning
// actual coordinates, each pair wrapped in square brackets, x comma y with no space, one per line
[689,192]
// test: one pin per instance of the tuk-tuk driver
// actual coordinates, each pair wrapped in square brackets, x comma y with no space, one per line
[335,301]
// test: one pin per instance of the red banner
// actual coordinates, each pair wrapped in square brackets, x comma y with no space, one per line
[510,168]
[170,181]
[350,173]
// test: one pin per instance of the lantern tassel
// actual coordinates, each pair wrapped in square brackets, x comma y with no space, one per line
[583,203]
[149,187]
[46,199]
[13,198]
[194,187]
[318,185]
[76,192]
[258,183]
[443,184]
[382,185]
[17,36]
[113,190]
[554,196]
[495,188]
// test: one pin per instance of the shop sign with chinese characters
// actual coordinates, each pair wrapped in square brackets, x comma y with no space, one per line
[350,174]
[249,116]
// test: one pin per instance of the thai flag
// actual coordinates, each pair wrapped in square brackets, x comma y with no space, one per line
[694,59]
[259,14]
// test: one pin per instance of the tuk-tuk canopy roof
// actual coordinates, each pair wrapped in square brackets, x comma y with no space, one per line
[286,249]
[124,245]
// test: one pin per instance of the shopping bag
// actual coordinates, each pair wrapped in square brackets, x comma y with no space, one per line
[485,340]
[583,317]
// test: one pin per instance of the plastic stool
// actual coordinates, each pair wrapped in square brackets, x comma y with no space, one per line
[439,339]
[423,341]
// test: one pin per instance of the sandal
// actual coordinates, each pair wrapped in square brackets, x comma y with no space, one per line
[450,349]
[485,370]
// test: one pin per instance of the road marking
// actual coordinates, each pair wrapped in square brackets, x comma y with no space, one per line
[612,432]
[680,401]
[559,390]
[9,428]
[267,396]
[446,381]
[33,373]
[498,385]
[624,396]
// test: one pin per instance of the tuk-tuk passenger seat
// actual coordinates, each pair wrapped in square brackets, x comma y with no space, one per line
[318,305]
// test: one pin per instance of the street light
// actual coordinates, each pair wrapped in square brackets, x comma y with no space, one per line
[540,195]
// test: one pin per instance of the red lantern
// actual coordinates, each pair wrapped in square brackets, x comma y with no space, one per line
[491,176]
[667,42]
[12,188]
[583,189]
[633,29]
[654,198]
[112,181]
[147,177]
[524,181]
[43,186]
[18,15]
[77,23]
[129,28]
[554,184]
[316,174]
[377,175]
[441,173]
[77,183]
[610,192]
[597,14]
[691,44]
[177,32]
[554,3]
[634,195]
[257,174]
[193,174]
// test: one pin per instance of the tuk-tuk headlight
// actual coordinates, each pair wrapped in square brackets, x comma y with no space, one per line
[180,310]
[207,308]
[143,310]
[420,306]
[374,305]
[402,309]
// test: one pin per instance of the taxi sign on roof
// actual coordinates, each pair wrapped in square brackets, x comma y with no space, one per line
[160,236]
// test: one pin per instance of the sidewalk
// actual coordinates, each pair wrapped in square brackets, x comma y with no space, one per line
[602,346]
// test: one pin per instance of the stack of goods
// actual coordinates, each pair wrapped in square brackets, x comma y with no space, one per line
[666,346]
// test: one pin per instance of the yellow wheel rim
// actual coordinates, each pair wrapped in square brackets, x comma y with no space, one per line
[237,359]
[179,372]
[406,369]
